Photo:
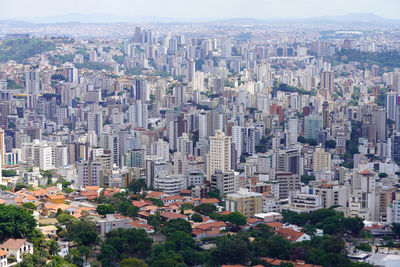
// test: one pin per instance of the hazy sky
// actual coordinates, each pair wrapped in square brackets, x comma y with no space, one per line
[27,9]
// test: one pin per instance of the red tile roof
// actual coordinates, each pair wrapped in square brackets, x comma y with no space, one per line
[2,253]
[209,200]
[289,233]
[173,215]
[298,263]
[12,243]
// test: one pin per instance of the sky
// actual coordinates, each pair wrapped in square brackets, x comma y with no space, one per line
[195,9]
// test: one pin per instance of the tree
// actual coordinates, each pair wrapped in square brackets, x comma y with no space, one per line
[214,194]
[123,243]
[15,222]
[129,262]
[231,250]
[19,186]
[127,209]
[137,185]
[8,173]
[32,260]
[179,240]
[307,178]
[29,206]
[396,228]
[301,139]
[157,202]
[330,144]
[363,247]
[65,218]
[176,225]
[104,209]
[333,244]
[155,221]
[196,217]
[309,229]
[236,218]
[53,247]
[353,225]
[83,233]
[382,175]
[205,209]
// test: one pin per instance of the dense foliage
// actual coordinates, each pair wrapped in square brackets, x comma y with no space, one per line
[15,222]
[329,220]
[21,49]
[389,59]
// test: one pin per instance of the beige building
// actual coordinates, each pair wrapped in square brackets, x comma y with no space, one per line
[321,160]
[246,202]
[219,157]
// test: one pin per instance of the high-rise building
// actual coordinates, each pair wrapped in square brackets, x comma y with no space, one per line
[138,115]
[396,81]
[391,103]
[312,126]
[289,161]
[89,173]
[219,157]
[185,145]
[191,70]
[141,90]
[2,148]
[292,131]
[288,182]
[32,85]
[328,81]
[224,182]
[138,35]
[95,122]
[73,75]
[321,160]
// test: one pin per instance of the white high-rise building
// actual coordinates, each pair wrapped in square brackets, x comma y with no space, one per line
[138,114]
[95,122]
[38,154]
[203,132]
[160,149]
[292,131]
[32,85]
[219,157]
[237,140]
[89,173]
[185,145]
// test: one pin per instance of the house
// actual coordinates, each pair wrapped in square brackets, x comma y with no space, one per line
[292,235]
[53,190]
[17,247]
[172,199]
[3,258]
[48,230]
[209,201]
[64,248]
[57,198]
[141,224]
[172,215]
[298,263]
[157,195]
[112,222]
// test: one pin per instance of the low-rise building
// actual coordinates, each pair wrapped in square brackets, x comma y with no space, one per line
[246,202]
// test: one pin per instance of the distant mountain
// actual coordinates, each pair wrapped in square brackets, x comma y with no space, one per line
[356,18]
[105,18]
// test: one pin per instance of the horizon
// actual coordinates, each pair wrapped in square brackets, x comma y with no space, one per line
[208,10]
[109,18]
